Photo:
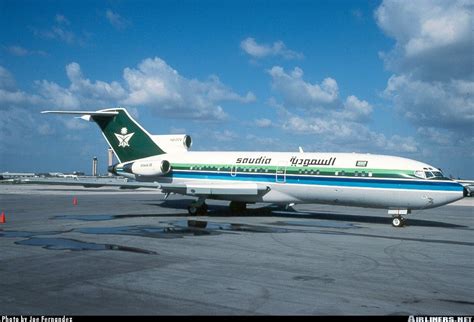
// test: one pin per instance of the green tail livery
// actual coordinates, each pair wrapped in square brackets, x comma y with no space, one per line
[125,136]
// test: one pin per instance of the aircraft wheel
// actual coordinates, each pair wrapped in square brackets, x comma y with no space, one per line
[237,206]
[202,211]
[398,221]
[197,211]
[193,210]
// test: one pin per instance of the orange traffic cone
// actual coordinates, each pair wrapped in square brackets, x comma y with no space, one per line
[74,201]
[2,218]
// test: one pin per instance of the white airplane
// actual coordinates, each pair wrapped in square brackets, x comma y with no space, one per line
[351,179]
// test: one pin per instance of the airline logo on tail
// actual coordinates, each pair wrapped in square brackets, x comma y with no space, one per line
[123,137]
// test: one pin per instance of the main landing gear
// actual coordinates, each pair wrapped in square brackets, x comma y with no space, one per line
[198,208]
[237,207]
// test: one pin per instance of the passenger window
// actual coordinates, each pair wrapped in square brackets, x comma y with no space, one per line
[361,163]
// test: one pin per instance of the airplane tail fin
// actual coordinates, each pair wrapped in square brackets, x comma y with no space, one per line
[128,139]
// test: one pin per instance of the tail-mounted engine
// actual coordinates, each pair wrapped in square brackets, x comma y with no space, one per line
[148,168]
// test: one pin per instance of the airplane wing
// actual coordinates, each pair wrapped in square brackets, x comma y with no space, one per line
[188,188]
[215,188]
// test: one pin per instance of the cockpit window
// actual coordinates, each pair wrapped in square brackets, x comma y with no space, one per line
[438,174]
[420,174]
[428,174]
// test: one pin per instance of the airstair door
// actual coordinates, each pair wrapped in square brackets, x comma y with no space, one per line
[280,173]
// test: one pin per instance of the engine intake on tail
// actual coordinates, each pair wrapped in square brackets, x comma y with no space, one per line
[173,143]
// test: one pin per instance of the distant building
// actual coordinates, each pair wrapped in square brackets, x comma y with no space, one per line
[10,175]
[94,167]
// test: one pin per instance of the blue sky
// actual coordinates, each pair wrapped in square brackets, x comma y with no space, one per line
[383,77]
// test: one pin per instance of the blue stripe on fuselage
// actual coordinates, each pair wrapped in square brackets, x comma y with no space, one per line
[323,181]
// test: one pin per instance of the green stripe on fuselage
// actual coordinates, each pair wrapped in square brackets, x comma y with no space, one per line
[292,170]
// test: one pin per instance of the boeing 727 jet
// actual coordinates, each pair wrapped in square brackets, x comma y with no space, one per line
[351,179]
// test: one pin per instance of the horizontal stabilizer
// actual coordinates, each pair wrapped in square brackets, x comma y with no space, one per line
[91,113]
[89,182]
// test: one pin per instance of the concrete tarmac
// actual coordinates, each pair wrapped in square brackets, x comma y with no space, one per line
[129,252]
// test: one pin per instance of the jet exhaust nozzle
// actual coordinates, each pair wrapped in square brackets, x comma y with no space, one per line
[112,169]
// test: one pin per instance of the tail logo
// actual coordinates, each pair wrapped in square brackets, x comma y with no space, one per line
[124,137]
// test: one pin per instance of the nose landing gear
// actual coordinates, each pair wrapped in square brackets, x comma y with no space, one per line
[398,220]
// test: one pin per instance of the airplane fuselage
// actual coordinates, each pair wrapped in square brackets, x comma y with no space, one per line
[351,179]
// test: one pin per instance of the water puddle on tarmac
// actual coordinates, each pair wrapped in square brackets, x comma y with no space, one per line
[86,217]
[64,243]
[318,224]
[179,229]
[26,234]
[77,245]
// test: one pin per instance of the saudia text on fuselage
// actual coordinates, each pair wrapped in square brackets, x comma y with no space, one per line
[294,161]
[259,160]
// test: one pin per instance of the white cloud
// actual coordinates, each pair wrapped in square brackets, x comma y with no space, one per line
[224,136]
[98,91]
[154,84]
[262,123]
[278,48]
[436,136]
[433,38]
[60,31]
[358,14]
[347,135]
[61,19]
[258,142]
[355,109]
[45,129]
[432,85]
[10,95]
[440,104]
[336,123]
[6,79]
[322,99]
[300,94]
[117,21]
[75,123]
[157,85]
[19,51]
